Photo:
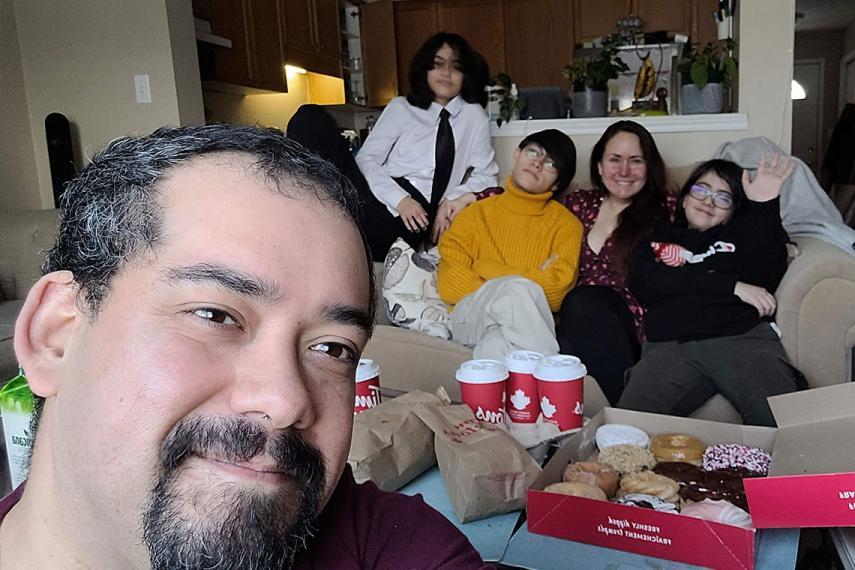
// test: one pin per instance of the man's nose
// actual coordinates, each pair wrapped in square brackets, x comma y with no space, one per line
[271,384]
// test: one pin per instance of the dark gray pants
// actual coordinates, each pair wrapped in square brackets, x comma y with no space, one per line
[676,378]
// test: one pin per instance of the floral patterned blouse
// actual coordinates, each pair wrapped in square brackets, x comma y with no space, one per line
[598,268]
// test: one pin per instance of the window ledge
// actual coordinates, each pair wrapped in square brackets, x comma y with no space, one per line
[596,126]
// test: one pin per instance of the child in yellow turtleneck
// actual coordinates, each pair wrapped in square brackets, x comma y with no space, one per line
[507,261]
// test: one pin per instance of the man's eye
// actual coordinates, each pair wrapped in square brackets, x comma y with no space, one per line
[336,350]
[216,316]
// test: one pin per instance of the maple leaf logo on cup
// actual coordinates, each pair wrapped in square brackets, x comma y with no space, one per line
[520,400]
[547,408]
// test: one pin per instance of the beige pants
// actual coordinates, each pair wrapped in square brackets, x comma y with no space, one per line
[505,314]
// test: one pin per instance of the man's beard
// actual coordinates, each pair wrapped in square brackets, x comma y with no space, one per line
[225,525]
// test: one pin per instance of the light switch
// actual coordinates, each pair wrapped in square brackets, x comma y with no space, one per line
[141,88]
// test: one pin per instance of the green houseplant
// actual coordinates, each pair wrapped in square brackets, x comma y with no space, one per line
[590,77]
[706,71]
[510,105]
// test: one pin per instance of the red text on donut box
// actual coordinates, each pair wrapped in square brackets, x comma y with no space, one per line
[811,480]
[634,529]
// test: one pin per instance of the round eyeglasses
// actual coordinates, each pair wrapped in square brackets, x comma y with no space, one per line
[535,153]
[720,199]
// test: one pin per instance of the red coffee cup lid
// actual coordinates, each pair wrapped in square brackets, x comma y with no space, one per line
[560,367]
[481,371]
[523,361]
[367,369]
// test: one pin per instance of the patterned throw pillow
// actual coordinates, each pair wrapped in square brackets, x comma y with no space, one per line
[409,290]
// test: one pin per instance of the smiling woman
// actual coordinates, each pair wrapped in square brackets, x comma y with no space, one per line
[601,322]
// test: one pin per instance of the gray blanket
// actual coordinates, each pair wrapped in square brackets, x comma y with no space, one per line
[806,209]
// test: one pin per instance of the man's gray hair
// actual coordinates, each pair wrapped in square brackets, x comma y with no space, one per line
[110,214]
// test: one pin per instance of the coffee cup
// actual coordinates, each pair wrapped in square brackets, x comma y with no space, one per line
[560,380]
[522,403]
[482,387]
[367,385]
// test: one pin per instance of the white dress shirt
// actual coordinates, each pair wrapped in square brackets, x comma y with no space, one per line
[403,144]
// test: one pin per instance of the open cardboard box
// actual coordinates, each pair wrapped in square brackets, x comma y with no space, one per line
[811,479]
[651,533]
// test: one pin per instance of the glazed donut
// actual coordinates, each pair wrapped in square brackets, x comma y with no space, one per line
[649,483]
[596,474]
[677,447]
[627,458]
[576,490]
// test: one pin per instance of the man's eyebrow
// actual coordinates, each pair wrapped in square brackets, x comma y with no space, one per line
[349,315]
[238,282]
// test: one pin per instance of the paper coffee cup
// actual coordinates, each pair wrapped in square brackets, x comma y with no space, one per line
[16,407]
[560,379]
[522,402]
[367,385]
[482,387]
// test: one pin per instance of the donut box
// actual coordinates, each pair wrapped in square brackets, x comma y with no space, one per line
[811,479]
[652,533]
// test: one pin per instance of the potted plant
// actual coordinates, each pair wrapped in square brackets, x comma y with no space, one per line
[506,98]
[705,73]
[590,77]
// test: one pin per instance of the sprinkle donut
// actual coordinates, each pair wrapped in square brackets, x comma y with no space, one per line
[737,457]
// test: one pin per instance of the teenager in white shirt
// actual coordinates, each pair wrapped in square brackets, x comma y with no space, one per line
[396,164]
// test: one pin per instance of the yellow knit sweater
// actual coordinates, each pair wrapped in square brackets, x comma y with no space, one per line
[514,233]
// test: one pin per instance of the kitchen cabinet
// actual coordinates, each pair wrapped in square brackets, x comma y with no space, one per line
[594,18]
[538,41]
[312,35]
[377,32]
[255,30]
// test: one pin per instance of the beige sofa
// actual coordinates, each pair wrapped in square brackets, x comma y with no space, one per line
[816,312]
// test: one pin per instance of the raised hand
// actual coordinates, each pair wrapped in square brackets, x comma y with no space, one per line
[772,171]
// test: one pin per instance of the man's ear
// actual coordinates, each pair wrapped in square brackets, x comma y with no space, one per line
[43,330]
[516,154]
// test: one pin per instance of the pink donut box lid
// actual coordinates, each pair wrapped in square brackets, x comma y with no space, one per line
[481,371]
[366,370]
[523,361]
[560,368]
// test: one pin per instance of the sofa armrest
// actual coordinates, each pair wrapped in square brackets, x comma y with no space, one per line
[24,237]
[816,312]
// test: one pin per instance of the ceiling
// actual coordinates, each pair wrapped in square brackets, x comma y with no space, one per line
[825,14]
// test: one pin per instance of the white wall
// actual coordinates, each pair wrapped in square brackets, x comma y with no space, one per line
[765,36]
[79,59]
[18,182]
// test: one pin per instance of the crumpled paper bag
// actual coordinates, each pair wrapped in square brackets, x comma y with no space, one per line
[485,470]
[391,446]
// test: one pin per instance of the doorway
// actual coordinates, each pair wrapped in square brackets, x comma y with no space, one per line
[807,112]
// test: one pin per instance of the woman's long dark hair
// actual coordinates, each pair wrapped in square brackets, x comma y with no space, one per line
[649,207]
[475,70]
[728,171]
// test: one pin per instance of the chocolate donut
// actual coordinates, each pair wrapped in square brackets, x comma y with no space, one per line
[697,484]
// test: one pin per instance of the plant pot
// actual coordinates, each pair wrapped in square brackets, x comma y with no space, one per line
[590,103]
[696,101]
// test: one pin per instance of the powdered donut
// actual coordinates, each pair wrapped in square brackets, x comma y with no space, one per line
[596,474]
[647,502]
[627,458]
[649,483]
[677,447]
[719,511]
[576,490]
[615,434]
[739,457]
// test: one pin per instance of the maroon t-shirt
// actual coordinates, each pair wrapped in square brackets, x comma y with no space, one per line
[364,527]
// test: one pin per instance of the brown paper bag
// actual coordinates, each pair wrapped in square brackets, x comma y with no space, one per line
[485,470]
[391,446]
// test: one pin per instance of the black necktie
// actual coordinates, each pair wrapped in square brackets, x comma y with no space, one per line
[444,160]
